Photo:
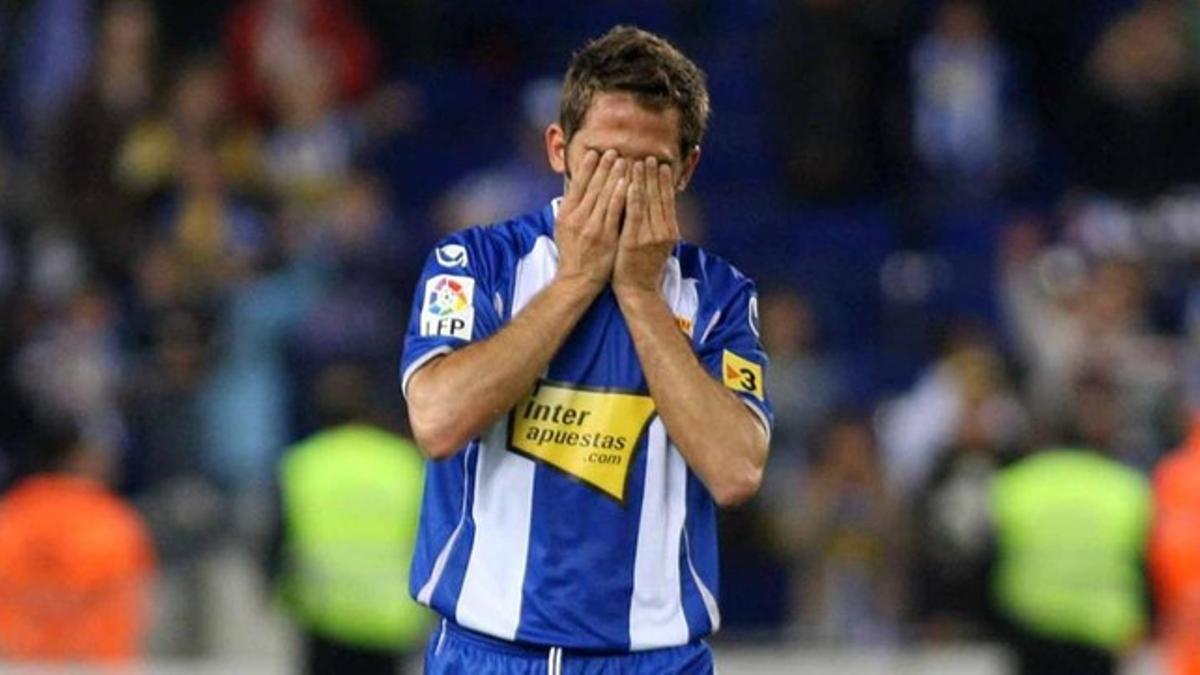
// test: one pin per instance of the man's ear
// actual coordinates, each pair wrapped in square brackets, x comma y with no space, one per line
[556,148]
[689,169]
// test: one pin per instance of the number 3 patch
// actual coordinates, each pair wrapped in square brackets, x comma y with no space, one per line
[742,375]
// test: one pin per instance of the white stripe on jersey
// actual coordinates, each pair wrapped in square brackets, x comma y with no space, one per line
[656,617]
[681,294]
[490,601]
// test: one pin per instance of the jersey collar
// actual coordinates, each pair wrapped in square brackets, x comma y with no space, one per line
[550,214]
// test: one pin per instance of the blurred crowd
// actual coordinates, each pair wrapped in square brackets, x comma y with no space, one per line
[974,225]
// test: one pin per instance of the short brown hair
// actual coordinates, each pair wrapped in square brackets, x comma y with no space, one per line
[632,60]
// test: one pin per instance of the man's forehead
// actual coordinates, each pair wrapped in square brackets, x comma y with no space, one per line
[620,118]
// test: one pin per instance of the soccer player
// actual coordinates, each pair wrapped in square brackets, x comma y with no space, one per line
[590,390]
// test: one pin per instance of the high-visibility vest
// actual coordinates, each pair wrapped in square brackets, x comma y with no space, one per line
[1175,555]
[1071,529]
[351,504]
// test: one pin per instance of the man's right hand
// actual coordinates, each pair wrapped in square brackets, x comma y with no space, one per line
[589,217]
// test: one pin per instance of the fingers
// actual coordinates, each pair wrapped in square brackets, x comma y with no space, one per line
[597,181]
[604,201]
[635,204]
[653,198]
[666,192]
[578,184]
[616,203]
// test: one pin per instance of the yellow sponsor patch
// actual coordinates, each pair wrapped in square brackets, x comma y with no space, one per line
[590,435]
[741,375]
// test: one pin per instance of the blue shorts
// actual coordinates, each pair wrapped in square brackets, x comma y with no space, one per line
[454,650]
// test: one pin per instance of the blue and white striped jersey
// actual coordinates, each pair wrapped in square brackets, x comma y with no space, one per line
[574,520]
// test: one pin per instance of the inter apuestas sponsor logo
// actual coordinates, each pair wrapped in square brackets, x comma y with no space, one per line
[587,434]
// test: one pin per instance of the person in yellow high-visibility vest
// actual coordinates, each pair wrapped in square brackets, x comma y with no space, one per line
[1071,527]
[349,504]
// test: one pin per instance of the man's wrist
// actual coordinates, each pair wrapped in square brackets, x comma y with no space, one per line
[577,287]
[638,299]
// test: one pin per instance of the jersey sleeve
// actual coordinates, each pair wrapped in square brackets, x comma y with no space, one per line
[453,302]
[729,346]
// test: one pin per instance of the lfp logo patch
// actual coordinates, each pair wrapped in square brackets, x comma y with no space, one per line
[448,295]
[447,310]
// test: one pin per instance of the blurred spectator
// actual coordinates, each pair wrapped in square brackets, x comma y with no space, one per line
[264,37]
[72,366]
[370,263]
[521,183]
[311,152]
[806,385]
[1135,107]
[965,124]
[75,561]
[163,413]
[1041,291]
[167,471]
[1071,529]
[848,540]
[952,531]
[162,286]
[1069,317]
[119,90]
[350,502]
[968,380]
[249,380]
[198,113]
[216,237]
[1175,554]
[53,42]
[833,71]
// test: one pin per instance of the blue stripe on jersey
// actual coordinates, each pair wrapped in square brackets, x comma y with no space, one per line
[577,586]
[441,514]
[581,546]
[444,580]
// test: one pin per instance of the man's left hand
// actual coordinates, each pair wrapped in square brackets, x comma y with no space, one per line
[650,231]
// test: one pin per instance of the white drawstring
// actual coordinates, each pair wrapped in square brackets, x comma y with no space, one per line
[441,639]
[554,661]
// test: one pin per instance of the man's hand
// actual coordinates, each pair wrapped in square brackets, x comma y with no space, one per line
[721,440]
[589,217]
[650,231]
[456,397]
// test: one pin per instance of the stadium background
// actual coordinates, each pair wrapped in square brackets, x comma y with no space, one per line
[952,209]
